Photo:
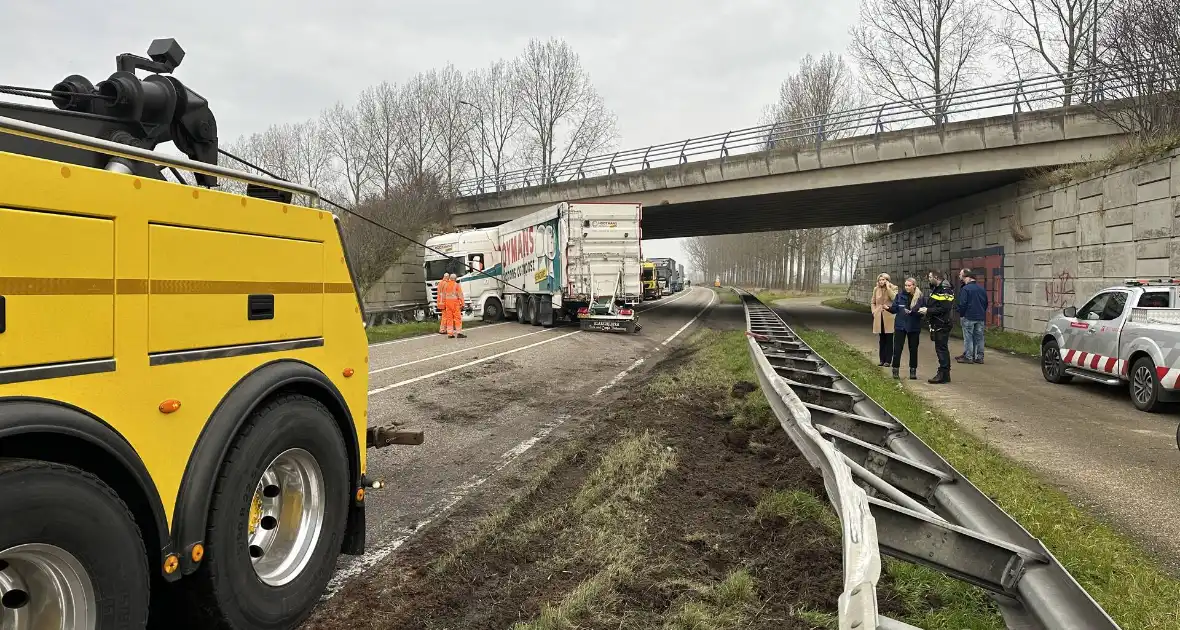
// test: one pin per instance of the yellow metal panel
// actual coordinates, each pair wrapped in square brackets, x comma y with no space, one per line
[57,277]
[200,280]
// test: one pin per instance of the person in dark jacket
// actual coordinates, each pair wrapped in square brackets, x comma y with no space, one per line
[972,307]
[907,325]
[937,309]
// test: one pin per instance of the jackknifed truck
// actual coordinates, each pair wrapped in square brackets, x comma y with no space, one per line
[568,262]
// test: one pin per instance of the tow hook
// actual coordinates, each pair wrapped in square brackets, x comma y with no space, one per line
[381,437]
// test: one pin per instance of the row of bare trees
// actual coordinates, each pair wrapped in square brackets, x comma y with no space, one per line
[922,51]
[793,259]
[395,155]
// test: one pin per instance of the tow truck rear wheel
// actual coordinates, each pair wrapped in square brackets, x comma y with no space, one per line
[1145,385]
[277,518]
[71,554]
[1052,367]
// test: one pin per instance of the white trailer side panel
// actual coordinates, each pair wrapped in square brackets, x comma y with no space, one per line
[603,251]
[529,248]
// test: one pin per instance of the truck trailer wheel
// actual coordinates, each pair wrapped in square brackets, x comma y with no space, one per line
[71,555]
[277,518]
[1145,385]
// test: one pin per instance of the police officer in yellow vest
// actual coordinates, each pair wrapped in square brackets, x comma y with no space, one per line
[937,309]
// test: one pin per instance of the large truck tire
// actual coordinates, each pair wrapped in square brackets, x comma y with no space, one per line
[71,554]
[276,520]
[493,310]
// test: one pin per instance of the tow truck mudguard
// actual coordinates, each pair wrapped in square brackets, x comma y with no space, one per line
[119,465]
[189,521]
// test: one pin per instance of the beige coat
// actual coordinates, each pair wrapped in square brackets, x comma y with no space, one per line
[882,318]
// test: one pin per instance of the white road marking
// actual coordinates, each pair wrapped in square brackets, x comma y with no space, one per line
[652,308]
[429,335]
[696,317]
[621,375]
[381,552]
[468,364]
[618,377]
[447,354]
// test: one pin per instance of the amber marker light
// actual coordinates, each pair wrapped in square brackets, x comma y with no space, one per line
[360,495]
[171,563]
[170,406]
[198,552]
[348,372]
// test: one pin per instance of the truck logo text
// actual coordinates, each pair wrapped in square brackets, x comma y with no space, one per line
[520,245]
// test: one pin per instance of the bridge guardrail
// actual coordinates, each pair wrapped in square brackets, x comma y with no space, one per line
[896,496]
[1011,97]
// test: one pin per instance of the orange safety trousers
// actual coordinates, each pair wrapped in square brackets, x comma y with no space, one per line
[441,301]
[452,309]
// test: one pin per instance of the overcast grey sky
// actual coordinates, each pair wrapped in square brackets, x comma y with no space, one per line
[668,69]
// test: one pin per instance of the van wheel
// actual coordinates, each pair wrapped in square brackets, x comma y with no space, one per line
[71,554]
[1145,385]
[277,518]
[1052,367]
[493,311]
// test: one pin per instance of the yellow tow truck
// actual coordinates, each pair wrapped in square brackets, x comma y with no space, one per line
[183,371]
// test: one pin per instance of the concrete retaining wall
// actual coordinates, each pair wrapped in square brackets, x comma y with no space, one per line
[1042,249]
[402,283]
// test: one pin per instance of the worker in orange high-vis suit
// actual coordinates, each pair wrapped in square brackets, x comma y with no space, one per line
[456,308]
[440,302]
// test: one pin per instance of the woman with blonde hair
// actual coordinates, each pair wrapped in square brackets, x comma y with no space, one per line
[907,325]
[883,294]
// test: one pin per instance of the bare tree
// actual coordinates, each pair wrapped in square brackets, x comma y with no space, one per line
[450,122]
[921,50]
[380,111]
[814,103]
[564,116]
[412,207]
[350,147]
[312,154]
[497,104]
[1057,36]
[415,127]
[1142,44]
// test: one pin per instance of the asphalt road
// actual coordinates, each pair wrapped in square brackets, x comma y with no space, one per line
[487,400]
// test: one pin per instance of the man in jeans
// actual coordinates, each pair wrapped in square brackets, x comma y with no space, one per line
[972,306]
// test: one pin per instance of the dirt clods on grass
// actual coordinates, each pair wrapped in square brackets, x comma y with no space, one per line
[656,514]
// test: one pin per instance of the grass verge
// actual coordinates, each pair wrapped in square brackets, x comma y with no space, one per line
[683,506]
[1129,153]
[1006,341]
[1116,572]
[390,332]
[997,338]
[845,304]
[725,296]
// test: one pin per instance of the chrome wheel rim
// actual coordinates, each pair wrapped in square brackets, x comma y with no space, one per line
[286,517]
[1144,385]
[44,586]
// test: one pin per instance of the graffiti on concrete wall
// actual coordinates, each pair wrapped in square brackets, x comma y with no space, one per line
[988,265]
[1059,290]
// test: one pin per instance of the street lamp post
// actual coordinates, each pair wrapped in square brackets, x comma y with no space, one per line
[483,142]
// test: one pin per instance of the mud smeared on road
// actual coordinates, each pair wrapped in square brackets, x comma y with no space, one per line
[680,506]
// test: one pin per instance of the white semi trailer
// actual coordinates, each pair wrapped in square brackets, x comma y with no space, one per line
[571,261]
[574,261]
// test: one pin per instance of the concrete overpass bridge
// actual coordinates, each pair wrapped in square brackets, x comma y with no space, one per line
[845,169]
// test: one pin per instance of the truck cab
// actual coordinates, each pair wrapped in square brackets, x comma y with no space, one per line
[651,290]
[1122,335]
[472,256]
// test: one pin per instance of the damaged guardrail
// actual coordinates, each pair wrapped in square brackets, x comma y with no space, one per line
[896,496]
